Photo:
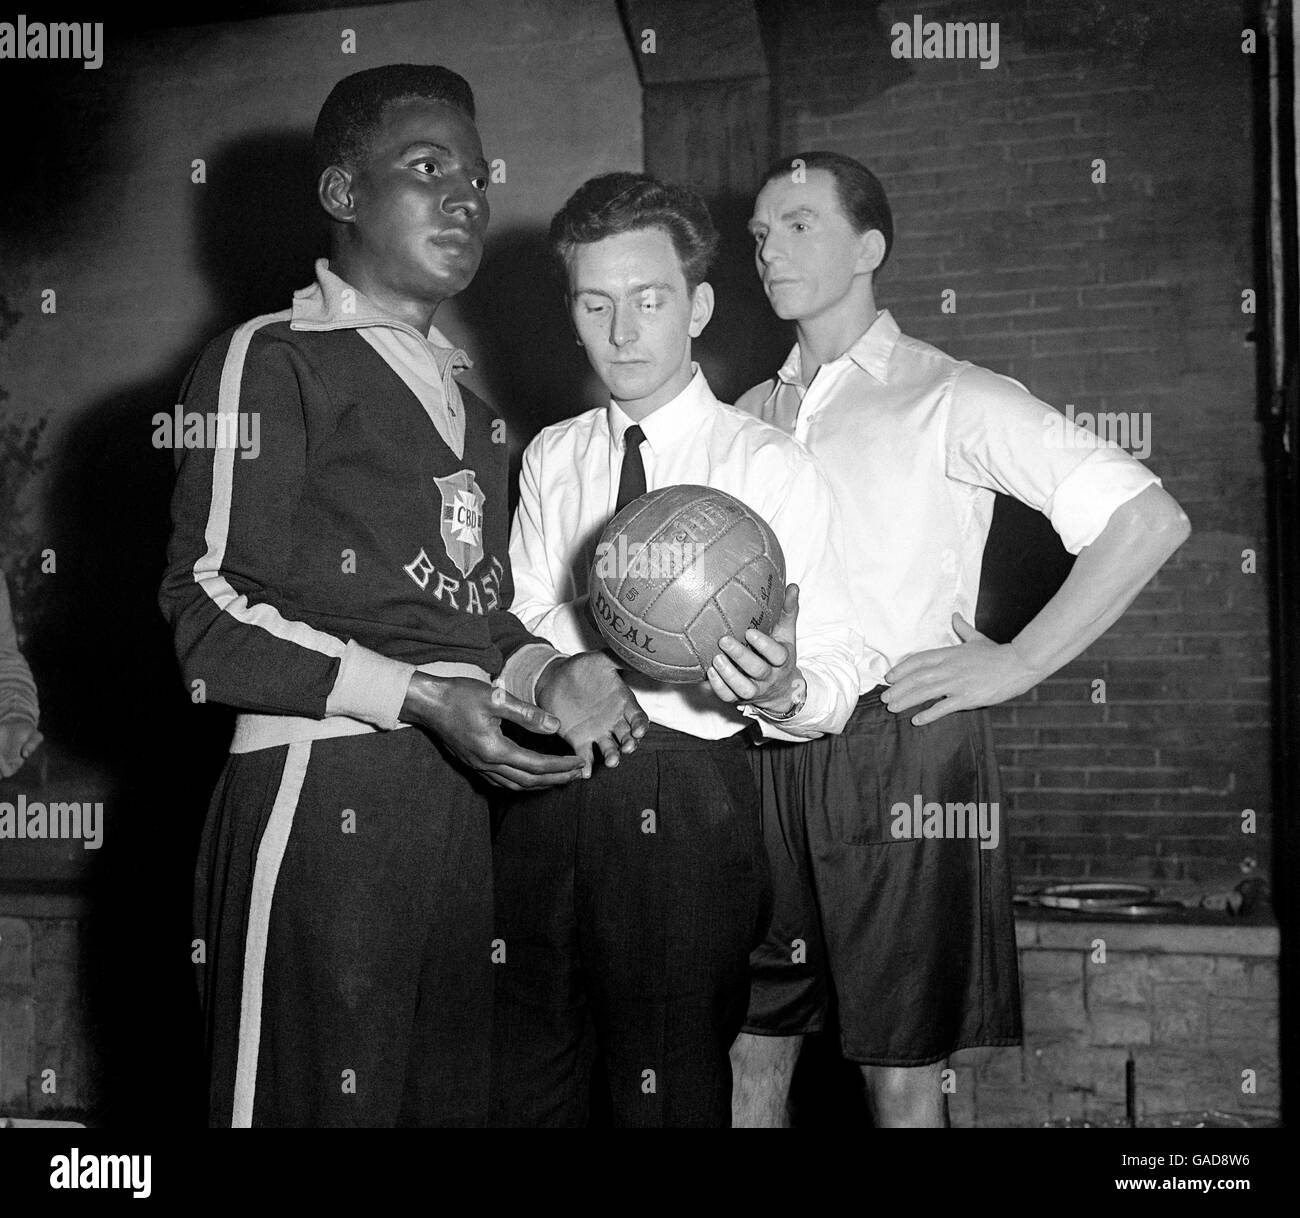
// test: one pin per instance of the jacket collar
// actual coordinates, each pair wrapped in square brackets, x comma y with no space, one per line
[332,304]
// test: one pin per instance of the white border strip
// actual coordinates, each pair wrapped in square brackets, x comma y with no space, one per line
[270,853]
[207,570]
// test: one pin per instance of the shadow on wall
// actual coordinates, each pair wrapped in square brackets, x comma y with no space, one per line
[258,226]
[112,693]
[746,342]
[526,354]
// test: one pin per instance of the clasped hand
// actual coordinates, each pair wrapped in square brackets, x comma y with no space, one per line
[580,698]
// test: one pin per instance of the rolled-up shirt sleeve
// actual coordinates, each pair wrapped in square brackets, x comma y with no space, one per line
[999,436]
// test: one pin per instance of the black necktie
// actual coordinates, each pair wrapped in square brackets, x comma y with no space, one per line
[631,479]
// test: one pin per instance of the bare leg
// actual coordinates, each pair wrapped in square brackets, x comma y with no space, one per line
[906,1097]
[761,1070]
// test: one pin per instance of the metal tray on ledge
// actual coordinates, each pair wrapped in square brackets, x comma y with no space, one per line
[1122,900]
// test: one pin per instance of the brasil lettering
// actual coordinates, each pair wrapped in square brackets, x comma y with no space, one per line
[479,595]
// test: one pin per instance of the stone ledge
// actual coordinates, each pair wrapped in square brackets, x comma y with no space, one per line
[1181,938]
[1032,932]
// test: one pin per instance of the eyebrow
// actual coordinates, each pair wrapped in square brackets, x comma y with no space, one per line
[410,148]
[632,291]
[795,213]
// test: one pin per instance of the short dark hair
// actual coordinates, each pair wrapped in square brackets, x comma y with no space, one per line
[859,191]
[616,203]
[355,106]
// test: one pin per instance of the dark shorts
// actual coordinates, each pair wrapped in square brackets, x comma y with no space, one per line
[627,908]
[914,934]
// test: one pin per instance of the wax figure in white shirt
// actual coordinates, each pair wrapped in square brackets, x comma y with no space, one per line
[912,927]
[640,944]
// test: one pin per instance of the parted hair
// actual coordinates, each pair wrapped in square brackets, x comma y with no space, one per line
[860,194]
[615,203]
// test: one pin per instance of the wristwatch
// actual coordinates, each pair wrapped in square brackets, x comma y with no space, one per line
[800,697]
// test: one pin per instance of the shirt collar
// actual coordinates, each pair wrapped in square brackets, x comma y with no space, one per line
[674,419]
[323,306]
[871,352]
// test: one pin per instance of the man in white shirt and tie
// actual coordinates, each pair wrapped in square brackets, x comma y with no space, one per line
[906,912]
[628,907]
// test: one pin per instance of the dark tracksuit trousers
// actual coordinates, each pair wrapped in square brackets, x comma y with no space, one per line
[627,906]
[345,899]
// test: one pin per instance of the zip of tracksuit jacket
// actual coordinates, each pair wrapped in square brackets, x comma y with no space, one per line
[309,571]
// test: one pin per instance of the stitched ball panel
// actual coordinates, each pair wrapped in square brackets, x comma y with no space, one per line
[676,570]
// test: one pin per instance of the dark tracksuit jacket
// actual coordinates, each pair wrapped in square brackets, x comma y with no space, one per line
[328,539]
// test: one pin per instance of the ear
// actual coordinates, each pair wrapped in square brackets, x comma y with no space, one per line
[701,309]
[334,191]
[871,250]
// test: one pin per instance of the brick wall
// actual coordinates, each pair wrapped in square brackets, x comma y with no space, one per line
[1195,1006]
[47,1058]
[1122,296]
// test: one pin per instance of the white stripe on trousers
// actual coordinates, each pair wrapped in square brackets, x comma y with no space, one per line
[270,853]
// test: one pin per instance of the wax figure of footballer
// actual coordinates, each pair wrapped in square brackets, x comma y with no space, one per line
[344,887]
[629,907]
[915,934]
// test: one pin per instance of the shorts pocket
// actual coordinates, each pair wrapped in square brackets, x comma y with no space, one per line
[880,779]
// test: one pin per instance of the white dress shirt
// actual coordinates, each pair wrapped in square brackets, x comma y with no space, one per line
[567,491]
[915,444]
